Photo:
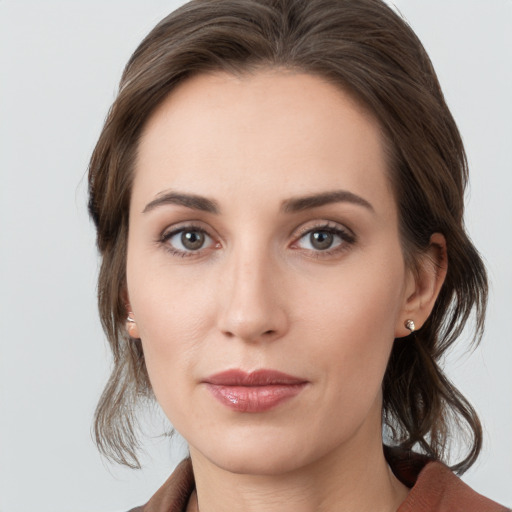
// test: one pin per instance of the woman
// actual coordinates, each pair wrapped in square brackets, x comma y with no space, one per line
[278,196]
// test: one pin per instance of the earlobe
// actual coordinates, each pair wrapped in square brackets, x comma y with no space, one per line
[426,283]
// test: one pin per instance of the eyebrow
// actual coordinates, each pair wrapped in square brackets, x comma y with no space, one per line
[316,200]
[188,200]
[292,205]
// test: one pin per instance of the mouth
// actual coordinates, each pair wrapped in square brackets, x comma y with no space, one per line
[256,391]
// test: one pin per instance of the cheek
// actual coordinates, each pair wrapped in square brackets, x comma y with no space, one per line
[352,322]
[362,300]
[172,318]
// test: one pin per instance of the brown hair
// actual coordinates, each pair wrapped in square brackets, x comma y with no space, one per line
[364,47]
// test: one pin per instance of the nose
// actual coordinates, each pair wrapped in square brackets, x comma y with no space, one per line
[251,300]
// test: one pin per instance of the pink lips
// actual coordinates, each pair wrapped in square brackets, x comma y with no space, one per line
[257,391]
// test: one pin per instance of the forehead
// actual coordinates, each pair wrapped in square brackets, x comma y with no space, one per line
[284,131]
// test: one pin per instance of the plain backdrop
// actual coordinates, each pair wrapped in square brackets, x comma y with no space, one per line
[60,62]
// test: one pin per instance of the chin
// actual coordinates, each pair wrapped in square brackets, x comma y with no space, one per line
[259,462]
[261,453]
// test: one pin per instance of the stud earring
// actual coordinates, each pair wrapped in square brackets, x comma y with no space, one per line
[409,324]
[131,326]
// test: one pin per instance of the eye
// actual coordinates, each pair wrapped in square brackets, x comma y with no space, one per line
[319,240]
[322,240]
[187,240]
[325,239]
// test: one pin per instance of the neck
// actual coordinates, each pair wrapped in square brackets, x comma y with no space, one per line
[354,477]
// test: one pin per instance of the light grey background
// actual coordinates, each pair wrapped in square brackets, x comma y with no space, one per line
[60,62]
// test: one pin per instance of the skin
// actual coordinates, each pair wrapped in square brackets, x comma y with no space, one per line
[259,294]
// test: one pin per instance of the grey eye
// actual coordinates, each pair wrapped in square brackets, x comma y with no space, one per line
[188,240]
[192,240]
[321,240]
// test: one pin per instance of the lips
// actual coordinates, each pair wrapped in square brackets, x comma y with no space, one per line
[256,391]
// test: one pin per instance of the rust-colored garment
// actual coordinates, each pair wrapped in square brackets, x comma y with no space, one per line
[434,488]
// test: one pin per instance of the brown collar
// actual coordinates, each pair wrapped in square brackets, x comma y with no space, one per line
[433,488]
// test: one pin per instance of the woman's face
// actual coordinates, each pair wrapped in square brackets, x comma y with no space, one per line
[264,238]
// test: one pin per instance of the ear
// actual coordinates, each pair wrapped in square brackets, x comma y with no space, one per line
[423,285]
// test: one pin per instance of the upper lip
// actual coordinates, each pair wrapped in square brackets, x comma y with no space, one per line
[256,378]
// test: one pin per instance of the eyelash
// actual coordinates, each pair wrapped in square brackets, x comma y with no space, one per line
[167,235]
[346,236]
[347,239]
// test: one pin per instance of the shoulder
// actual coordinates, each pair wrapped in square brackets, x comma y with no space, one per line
[437,489]
[434,487]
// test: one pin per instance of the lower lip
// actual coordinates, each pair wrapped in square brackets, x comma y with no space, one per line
[254,398]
